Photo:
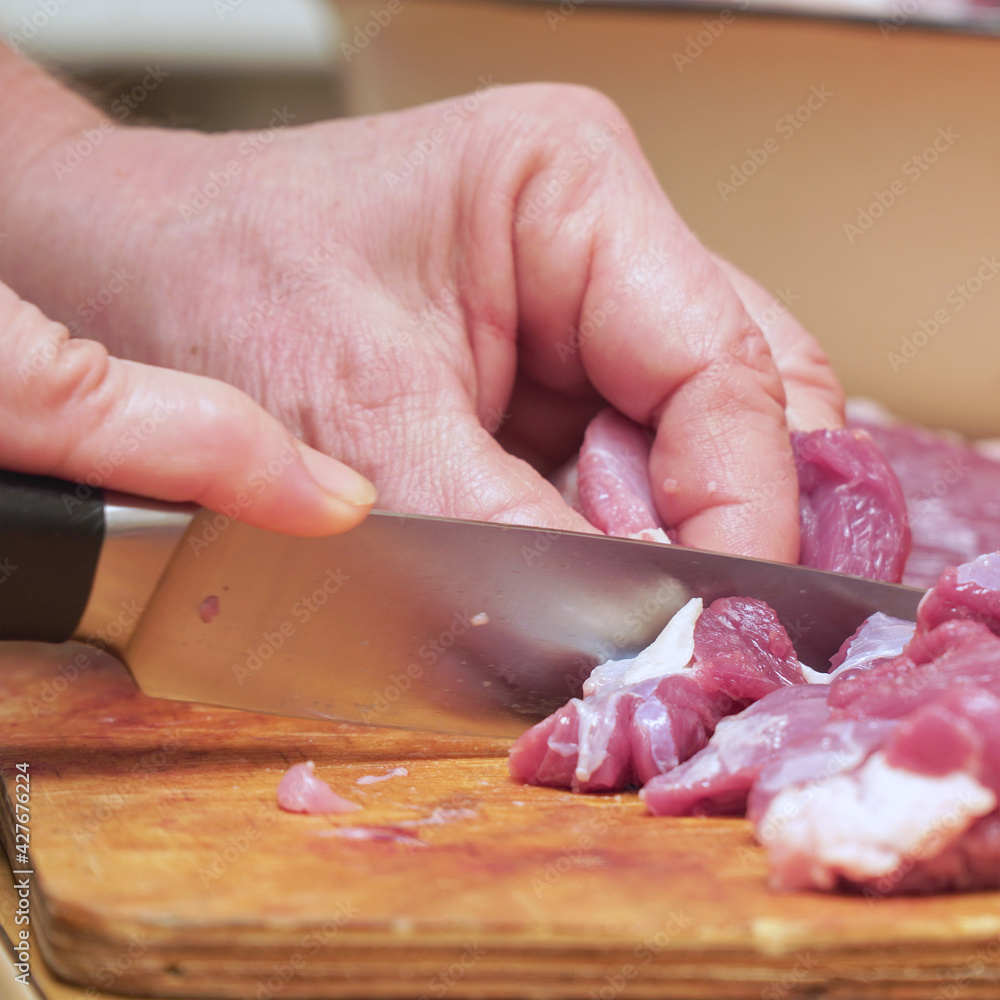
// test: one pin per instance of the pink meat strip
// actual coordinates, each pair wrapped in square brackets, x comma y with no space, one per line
[300,791]
[620,734]
[613,476]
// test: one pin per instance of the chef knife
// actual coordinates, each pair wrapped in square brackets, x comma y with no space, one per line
[406,620]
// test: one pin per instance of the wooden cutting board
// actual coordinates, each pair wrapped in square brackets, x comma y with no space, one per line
[162,866]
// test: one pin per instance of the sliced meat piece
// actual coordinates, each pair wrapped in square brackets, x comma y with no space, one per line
[741,650]
[852,514]
[890,808]
[879,637]
[717,779]
[951,489]
[864,827]
[641,716]
[613,476]
[970,591]
[300,791]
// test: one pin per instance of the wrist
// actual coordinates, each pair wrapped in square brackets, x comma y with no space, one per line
[84,201]
[36,113]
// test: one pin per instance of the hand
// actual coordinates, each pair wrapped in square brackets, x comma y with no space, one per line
[389,287]
[70,410]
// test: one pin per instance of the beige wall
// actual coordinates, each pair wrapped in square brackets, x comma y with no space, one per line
[889,96]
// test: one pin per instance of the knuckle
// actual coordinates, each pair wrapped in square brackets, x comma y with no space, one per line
[77,377]
[563,112]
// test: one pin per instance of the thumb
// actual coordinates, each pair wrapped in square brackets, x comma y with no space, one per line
[70,410]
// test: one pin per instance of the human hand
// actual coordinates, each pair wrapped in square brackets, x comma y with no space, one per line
[70,410]
[389,287]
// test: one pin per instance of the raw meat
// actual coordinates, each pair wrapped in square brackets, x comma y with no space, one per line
[718,779]
[612,478]
[897,821]
[882,776]
[952,491]
[643,716]
[301,791]
[208,610]
[879,637]
[970,591]
[852,512]
[852,516]
[907,801]
[950,488]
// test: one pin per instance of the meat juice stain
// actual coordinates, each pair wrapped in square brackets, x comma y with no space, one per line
[208,610]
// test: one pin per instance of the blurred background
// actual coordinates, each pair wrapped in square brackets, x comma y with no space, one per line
[847,154]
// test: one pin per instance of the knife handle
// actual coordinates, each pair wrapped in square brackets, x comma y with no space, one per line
[78,562]
[51,533]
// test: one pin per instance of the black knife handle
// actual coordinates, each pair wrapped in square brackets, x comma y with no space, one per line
[51,532]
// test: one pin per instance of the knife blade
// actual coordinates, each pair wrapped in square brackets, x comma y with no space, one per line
[408,621]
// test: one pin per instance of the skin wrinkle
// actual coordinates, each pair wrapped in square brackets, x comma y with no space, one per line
[491,318]
[814,398]
[541,360]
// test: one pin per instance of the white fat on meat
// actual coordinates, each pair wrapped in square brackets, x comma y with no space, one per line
[651,535]
[881,637]
[865,824]
[300,791]
[670,652]
[598,720]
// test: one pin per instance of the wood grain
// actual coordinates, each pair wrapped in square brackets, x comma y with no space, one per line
[164,868]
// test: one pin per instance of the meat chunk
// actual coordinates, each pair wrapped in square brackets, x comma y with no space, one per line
[782,725]
[852,515]
[908,803]
[613,478]
[883,776]
[951,489]
[301,791]
[641,717]
[717,780]
[970,591]
[895,822]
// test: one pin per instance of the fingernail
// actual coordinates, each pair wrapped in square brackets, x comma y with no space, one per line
[337,479]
